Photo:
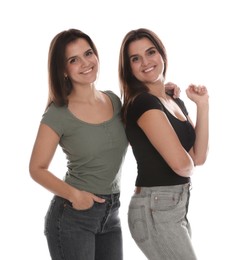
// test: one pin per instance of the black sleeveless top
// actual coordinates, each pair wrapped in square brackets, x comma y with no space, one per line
[152,168]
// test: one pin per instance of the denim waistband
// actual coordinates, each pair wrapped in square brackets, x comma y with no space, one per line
[108,197]
[112,197]
[174,188]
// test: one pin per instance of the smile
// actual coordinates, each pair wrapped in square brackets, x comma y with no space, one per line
[87,71]
[149,69]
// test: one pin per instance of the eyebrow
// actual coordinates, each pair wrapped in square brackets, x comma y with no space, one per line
[147,50]
[90,49]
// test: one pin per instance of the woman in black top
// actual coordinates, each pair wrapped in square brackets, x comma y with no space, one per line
[166,145]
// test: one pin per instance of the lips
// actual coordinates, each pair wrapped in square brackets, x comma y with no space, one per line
[87,71]
[149,69]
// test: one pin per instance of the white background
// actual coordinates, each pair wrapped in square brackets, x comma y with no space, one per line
[204,41]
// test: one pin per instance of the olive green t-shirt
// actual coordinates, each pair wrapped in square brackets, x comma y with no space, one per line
[94,152]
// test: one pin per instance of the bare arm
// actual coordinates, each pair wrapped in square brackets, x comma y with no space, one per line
[43,151]
[161,134]
[199,95]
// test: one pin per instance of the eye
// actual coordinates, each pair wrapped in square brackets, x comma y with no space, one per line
[134,59]
[89,53]
[74,60]
[152,52]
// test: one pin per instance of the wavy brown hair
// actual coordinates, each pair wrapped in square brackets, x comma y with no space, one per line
[130,86]
[59,86]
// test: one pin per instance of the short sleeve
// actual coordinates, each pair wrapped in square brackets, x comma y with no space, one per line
[143,103]
[53,118]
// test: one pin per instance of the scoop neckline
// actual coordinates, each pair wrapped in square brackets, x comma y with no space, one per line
[95,124]
[173,116]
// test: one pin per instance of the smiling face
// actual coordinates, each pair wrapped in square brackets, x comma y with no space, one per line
[146,63]
[81,62]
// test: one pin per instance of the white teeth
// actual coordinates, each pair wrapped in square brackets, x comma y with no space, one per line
[87,71]
[149,69]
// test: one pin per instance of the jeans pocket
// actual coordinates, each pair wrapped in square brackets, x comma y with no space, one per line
[137,223]
[167,207]
[68,206]
[164,201]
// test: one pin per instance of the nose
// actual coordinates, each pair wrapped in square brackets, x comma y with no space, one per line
[83,61]
[144,61]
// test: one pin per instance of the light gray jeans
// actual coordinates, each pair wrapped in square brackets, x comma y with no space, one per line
[158,222]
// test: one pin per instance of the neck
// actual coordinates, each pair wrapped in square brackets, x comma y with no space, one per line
[85,95]
[158,90]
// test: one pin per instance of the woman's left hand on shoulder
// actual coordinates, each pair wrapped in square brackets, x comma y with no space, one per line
[172,89]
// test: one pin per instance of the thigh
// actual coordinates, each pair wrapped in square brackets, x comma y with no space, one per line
[139,223]
[170,231]
[71,233]
[109,245]
[159,226]
[109,240]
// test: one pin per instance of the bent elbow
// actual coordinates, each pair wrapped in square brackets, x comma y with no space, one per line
[184,171]
[33,171]
[184,167]
[198,161]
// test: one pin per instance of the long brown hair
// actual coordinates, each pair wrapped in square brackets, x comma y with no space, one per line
[59,86]
[130,87]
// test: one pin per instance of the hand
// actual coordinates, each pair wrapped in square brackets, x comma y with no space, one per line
[82,200]
[197,93]
[172,89]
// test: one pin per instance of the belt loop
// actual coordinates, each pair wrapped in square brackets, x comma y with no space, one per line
[137,190]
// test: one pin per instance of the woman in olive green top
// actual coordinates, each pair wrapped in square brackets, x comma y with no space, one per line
[82,221]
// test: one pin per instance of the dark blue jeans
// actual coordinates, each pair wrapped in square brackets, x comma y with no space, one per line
[92,234]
